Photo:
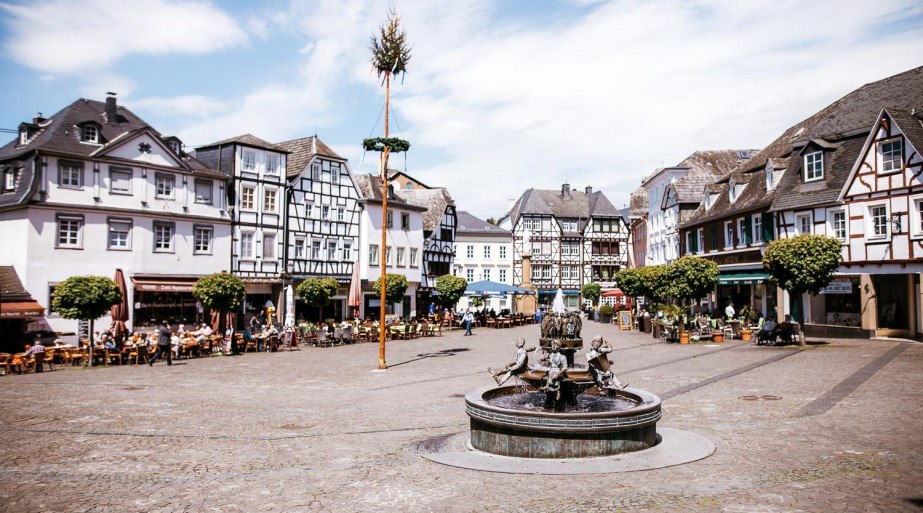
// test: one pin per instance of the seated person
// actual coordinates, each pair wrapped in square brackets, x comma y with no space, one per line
[175,343]
[202,334]
[109,344]
[768,333]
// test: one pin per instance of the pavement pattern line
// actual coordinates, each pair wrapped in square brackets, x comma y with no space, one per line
[676,447]
[841,390]
[729,374]
[677,360]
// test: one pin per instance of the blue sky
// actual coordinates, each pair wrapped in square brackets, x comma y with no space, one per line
[499,95]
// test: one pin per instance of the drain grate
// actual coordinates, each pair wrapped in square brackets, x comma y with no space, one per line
[770,397]
[759,397]
[749,398]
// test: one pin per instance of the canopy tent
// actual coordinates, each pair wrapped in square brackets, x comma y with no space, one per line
[613,293]
[492,288]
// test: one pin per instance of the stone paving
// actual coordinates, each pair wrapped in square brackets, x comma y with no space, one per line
[833,427]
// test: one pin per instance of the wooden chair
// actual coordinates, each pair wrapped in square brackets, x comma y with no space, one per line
[321,340]
[5,363]
[48,360]
[138,353]
[435,329]
[492,323]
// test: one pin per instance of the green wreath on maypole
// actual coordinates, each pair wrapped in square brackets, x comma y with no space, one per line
[394,144]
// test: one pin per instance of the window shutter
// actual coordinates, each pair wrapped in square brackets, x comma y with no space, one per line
[748,231]
[767,225]
[714,237]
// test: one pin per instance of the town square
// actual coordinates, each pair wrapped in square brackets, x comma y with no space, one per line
[564,255]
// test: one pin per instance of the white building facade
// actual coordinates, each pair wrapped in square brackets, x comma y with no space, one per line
[483,252]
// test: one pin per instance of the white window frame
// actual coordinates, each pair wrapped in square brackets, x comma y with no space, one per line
[123,174]
[270,200]
[728,234]
[732,191]
[332,248]
[800,222]
[269,249]
[347,251]
[335,171]
[502,251]
[770,179]
[111,230]
[389,219]
[832,224]
[899,158]
[413,257]
[741,232]
[374,254]
[248,160]
[198,248]
[700,237]
[405,220]
[273,163]
[9,180]
[73,225]
[315,249]
[68,170]
[163,246]
[546,272]
[400,256]
[689,236]
[205,185]
[248,198]
[485,273]
[870,222]
[469,275]
[916,217]
[341,214]
[164,186]
[315,171]
[308,208]
[388,258]
[486,251]
[814,166]
[325,212]
[469,251]
[298,248]
[247,245]
[89,133]
[502,275]
[756,226]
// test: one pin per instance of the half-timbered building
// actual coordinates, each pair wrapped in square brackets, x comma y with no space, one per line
[322,238]
[93,189]
[572,238]
[258,203]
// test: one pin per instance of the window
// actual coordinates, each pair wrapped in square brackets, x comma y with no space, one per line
[838,224]
[298,248]
[120,234]
[690,243]
[249,163]
[315,250]
[814,166]
[486,251]
[202,236]
[269,245]
[803,224]
[246,245]
[325,212]
[9,180]
[373,254]
[469,275]
[163,237]
[90,134]
[728,235]
[390,219]
[341,214]
[878,221]
[335,173]
[269,200]
[470,251]
[502,252]
[308,208]
[119,181]
[70,174]
[164,185]
[502,277]
[757,221]
[732,191]
[405,221]
[891,156]
[413,257]
[174,146]
[348,251]
[273,162]
[203,191]
[486,274]
[247,201]
[916,222]
[742,231]
[388,255]
[546,272]
[70,229]
[315,171]
[400,257]
[570,249]
[331,250]
[700,239]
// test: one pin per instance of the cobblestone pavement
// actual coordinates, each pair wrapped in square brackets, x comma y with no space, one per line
[834,427]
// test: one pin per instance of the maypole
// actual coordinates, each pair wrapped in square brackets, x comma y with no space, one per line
[390,54]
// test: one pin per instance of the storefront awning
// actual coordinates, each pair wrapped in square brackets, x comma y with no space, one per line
[21,310]
[149,284]
[742,278]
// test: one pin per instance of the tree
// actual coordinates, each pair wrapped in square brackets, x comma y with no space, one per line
[492,220]
[395,289]
[390,55]
[222,292]
[450,289]
[85,298]
[316,292]
[805,263]
[476,302]
[691,277]
[632,282]
[649,281]
[591,291]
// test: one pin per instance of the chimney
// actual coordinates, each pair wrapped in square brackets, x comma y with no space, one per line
[589,190]
[112,109]
[38,119]
[565,190]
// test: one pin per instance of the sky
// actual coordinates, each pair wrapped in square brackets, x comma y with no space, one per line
[499,95]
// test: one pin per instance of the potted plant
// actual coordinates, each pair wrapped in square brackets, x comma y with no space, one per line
[605,314]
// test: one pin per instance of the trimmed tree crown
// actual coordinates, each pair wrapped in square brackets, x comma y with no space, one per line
[85,297]
[805,263]
[450,289]
[220,291]
[395,289]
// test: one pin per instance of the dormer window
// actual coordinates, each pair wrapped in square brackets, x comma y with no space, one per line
[90,134]
[174,146]
[23,136]
[732,191]
[710,200]
[814,166]
[891,156]
[770,179]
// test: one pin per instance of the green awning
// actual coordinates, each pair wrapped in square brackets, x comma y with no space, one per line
[742,278]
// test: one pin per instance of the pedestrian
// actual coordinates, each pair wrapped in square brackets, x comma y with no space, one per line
[163,344]
[729,311]
[37,352]
[467,319]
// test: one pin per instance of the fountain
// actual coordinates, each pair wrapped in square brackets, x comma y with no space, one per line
[562,410]
[562,326]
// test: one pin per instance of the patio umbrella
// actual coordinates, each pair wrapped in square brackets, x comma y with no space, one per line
[355,290]
[119,311]
[289,306]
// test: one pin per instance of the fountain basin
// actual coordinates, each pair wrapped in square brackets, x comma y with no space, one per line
[546,434]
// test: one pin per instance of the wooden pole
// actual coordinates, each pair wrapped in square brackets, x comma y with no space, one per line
[384,232]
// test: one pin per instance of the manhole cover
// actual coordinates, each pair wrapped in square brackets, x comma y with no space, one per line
[771,397]
[749,397]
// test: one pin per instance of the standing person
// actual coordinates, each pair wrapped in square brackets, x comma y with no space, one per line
[467,319]
[163,344]
[37,352]
[729,311]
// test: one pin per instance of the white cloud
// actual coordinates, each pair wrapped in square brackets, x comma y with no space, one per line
[62,36]
[189,105]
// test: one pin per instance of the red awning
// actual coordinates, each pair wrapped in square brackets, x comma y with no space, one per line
[21,310]
[613,293]
[167,285]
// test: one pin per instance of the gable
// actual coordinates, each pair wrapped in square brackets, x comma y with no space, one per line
[141,147]
[889,160]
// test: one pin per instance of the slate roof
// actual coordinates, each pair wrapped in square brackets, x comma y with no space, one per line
[301,151]
[910,124]
[246,140]
[638,203]
[435,200]
[11,288]
[369,187]
[470,225]
[705,167]
[573,204]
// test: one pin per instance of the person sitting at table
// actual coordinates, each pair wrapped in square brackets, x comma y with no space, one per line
[202,334]
[37,352]
[109,344]
[175,343]
[181,331]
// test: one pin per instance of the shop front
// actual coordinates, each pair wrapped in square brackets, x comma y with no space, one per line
[746,288]
[159,297]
